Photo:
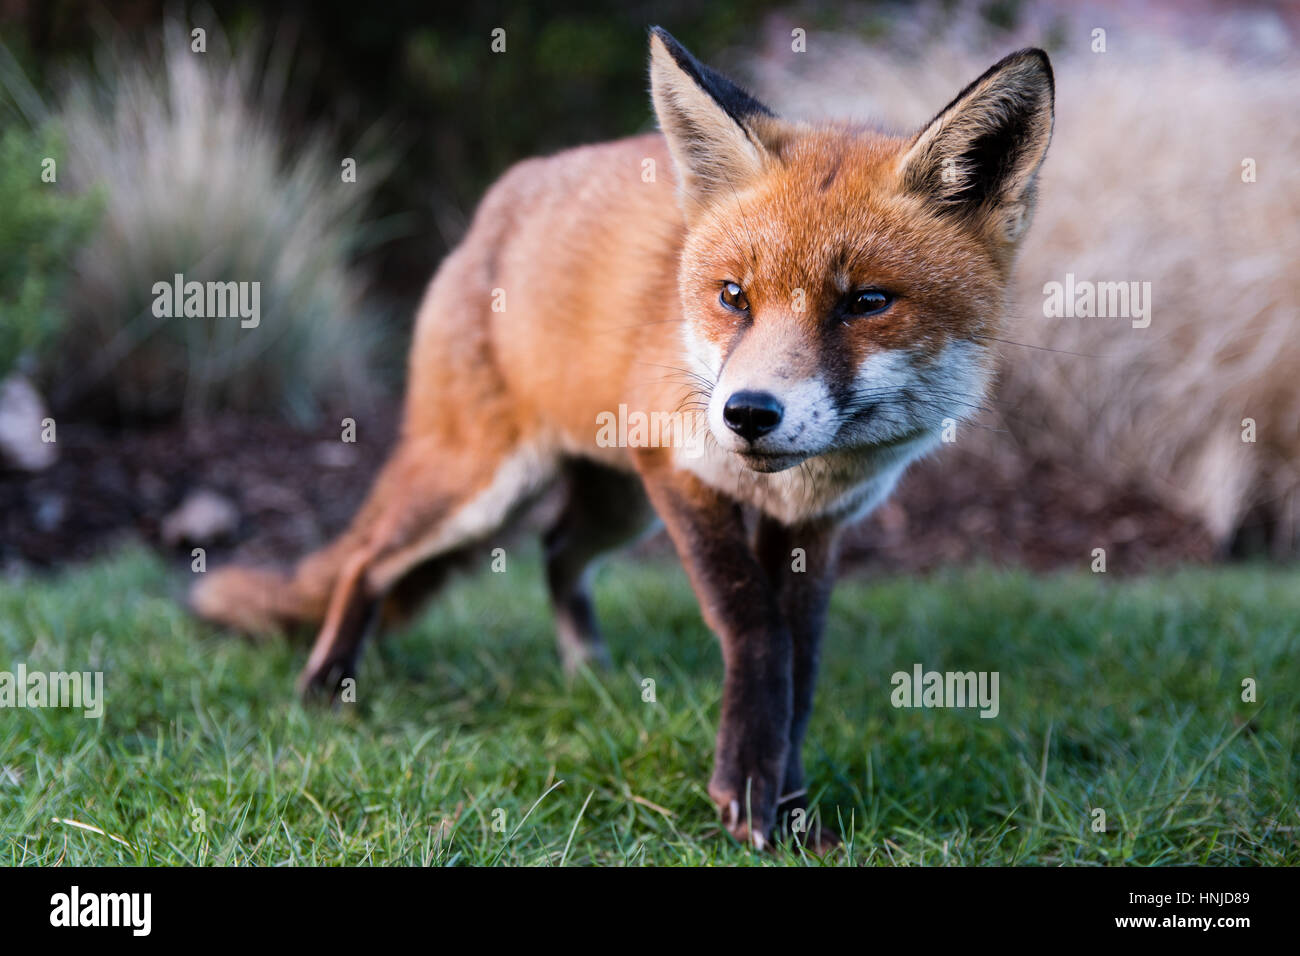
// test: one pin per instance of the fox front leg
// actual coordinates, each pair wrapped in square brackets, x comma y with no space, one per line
[739,604]
[800,562]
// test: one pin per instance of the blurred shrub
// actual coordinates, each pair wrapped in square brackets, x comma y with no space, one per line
[1170,405]
[573,71]
[455,115]
[40,230]
[199,180]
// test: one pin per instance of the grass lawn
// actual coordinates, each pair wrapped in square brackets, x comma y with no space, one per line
[1118,694]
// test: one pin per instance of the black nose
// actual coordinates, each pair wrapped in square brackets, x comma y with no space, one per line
[752,414]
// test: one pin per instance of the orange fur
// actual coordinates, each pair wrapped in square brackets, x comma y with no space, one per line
[589,281]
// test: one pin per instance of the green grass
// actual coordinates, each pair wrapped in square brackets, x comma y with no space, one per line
[1119,694]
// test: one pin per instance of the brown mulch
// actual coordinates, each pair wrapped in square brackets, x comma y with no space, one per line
[958,507]
[295,487]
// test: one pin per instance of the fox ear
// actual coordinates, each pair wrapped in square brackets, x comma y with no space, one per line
[980,155]
[711,124]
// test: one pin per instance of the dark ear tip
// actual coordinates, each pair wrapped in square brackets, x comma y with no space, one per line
[1036,56]
[666,38]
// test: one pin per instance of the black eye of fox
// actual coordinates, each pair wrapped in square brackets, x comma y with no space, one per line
[867,302]
[733,297]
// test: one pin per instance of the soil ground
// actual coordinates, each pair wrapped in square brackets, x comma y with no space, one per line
[295,487]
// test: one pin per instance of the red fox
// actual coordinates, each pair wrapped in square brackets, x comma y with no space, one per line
[814,301]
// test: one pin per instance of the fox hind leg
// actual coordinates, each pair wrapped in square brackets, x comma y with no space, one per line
[432,509]
[360,613]
[417,588]
[603,508]
[264,601]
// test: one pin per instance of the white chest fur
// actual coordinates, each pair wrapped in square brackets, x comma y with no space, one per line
[843,485]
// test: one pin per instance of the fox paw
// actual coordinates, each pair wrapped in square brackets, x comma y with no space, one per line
[748,812]
[325,683]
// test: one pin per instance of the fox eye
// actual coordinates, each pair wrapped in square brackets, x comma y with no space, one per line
[867,302]
[733,297]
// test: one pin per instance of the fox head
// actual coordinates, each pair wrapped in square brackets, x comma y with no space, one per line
[840,286]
